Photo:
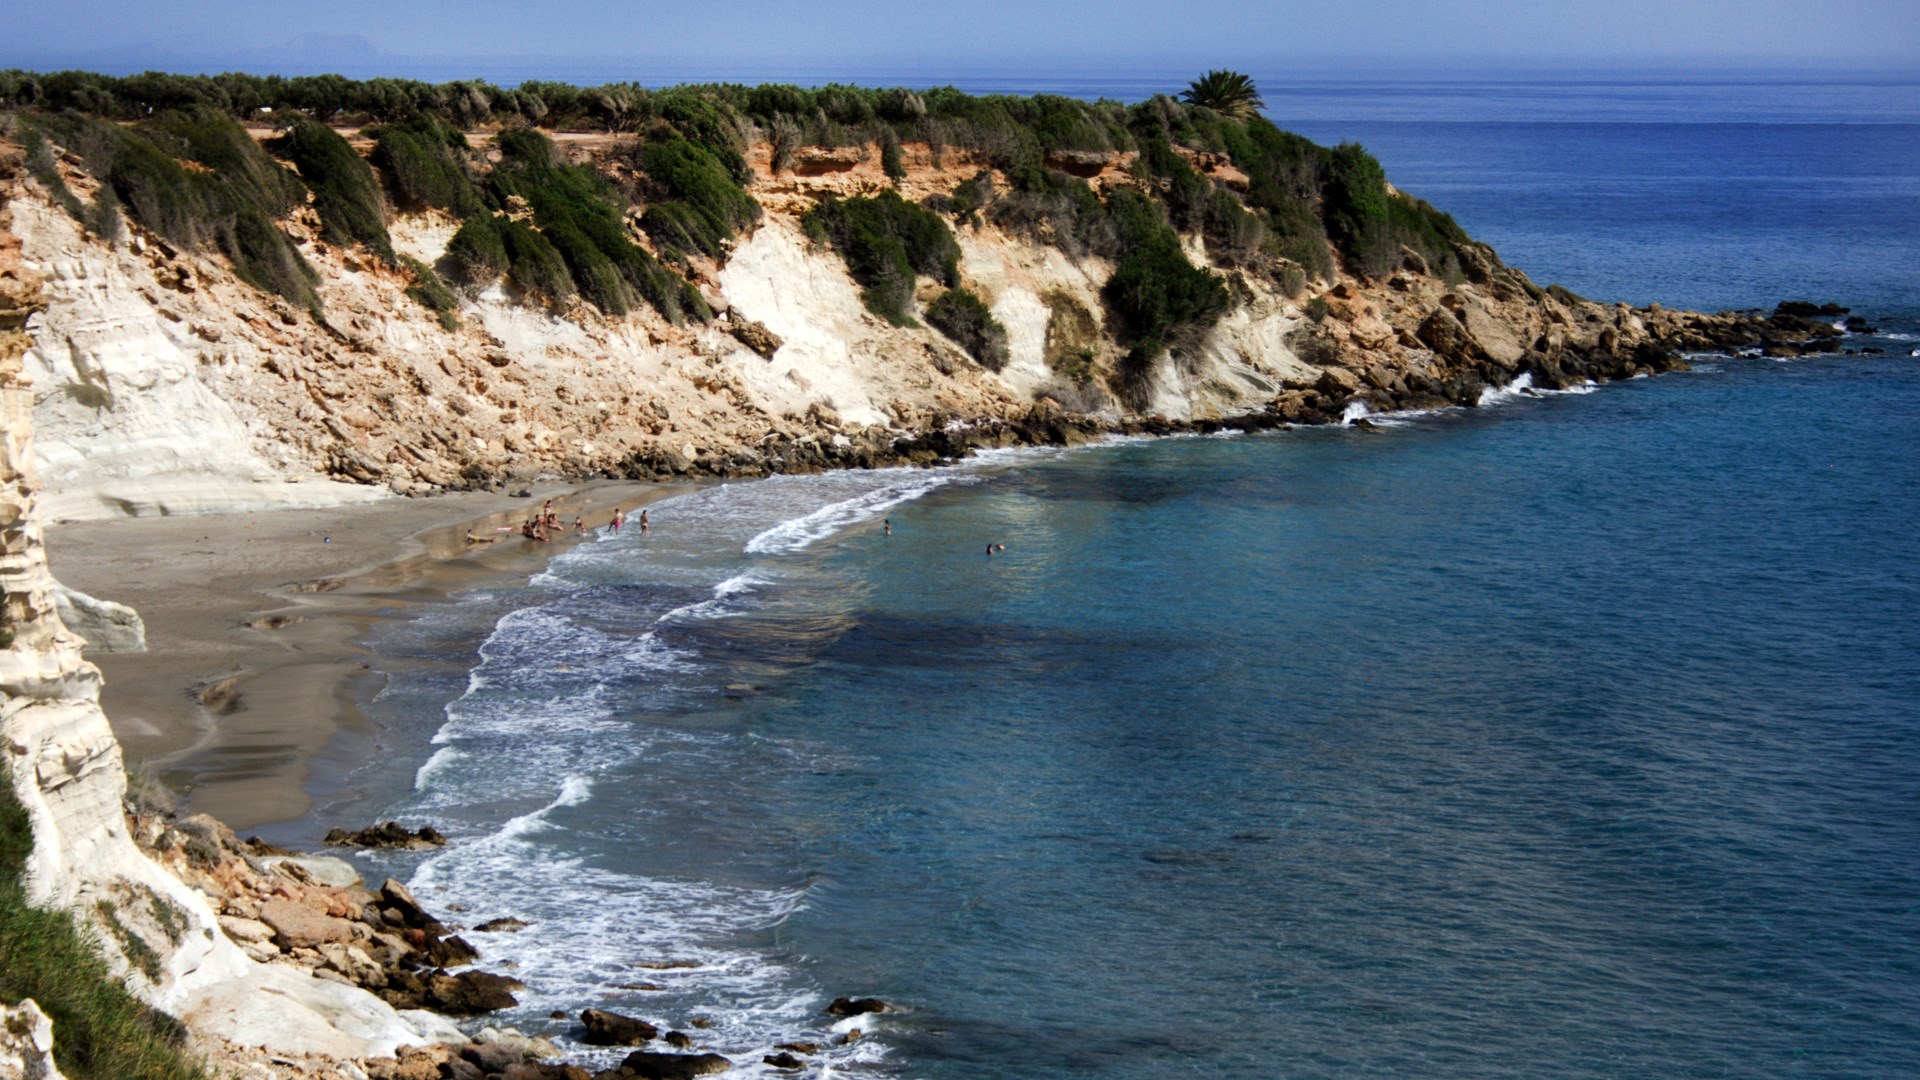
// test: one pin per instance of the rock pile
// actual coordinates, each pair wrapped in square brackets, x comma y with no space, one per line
[311,911]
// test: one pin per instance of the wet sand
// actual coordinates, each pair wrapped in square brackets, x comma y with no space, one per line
[253,622]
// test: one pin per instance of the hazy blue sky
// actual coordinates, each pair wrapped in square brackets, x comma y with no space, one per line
[598,38]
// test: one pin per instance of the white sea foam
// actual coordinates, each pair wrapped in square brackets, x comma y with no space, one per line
[443,758]
[1355,410]
[1520,387]
[799,533]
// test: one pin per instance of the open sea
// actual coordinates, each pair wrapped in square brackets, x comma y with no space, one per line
[1575,735]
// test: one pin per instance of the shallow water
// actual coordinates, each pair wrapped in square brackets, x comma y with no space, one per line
[1575,735]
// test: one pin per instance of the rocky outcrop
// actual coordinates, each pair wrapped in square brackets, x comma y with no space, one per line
[65,769]
[26,1043]
[106,626]
[390,835]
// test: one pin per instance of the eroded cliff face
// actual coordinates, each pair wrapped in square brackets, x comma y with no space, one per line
[163,384]
[66,770]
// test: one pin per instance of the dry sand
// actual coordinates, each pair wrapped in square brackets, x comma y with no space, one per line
[253,660]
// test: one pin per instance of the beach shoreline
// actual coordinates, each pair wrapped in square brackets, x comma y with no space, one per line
[255,624]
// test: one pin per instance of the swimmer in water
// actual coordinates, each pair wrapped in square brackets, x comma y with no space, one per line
[886,525]
[643,523]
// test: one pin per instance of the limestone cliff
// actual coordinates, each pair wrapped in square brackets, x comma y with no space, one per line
[65,769]
[164,384]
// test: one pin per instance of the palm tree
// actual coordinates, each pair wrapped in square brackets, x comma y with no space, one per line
[1228,93]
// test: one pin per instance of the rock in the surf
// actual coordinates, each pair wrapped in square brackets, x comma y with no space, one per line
[612,1029]
[857,1006]
[647,1065]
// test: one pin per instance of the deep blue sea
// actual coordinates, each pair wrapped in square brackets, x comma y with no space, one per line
[1571,736]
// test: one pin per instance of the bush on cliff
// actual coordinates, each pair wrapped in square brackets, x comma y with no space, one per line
[101,1031]
[886,241]
[345,193]
[1160,299]
[199,209]
[427,164]
[581,216]
[697,205]
[966,319]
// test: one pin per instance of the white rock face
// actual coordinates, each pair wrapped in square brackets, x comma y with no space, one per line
[807,299]
[26,1043]
[128,425]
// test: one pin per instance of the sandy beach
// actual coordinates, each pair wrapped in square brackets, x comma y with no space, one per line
[253,623]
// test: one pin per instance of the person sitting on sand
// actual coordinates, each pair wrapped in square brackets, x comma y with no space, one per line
[579,525]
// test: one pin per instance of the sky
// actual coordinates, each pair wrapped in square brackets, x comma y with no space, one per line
[651,40]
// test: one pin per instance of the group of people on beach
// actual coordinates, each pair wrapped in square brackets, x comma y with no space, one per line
[547,526]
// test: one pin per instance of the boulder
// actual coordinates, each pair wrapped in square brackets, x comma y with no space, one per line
[397,903]
[245,930]
[612,1029]
[314,870]
[107,626]
[784,1060]
[470,993]
[857,1007]
[297,926]
[755,336]
[528,1046]
[647,1065]
[1338,382]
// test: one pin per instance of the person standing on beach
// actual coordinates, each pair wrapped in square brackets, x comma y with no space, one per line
[643,523]
[618,517]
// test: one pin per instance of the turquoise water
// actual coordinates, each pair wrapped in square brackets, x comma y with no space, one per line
[1575,735]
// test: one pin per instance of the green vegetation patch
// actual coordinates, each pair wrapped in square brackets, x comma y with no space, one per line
[581,218]
[698,205]
[101,1032]
[200,208]
[427,290]
[344,189]
[966,319]
[427,164]
[886,241]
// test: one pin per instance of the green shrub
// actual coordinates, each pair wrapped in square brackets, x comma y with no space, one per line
[885,241]
[41,165]
[700,206]
[1566,296]
[582,223]
[431,293]
[534,267]
[477,254]
[1055,208]
[101,1031]
[1160,298]
[345,192]
[892,162]
[427,164]
[966,319]
[203,135]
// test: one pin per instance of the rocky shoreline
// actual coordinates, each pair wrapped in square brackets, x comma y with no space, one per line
[1794,329]
[315,914]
